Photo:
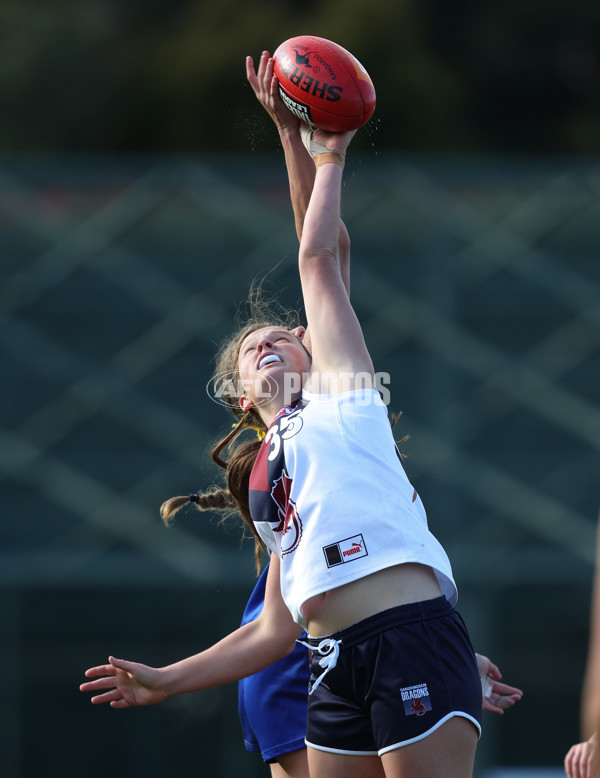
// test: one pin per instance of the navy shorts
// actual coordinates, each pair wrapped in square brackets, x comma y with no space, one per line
[399,676]
[272,703]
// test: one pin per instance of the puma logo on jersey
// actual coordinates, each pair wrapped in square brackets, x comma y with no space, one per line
[345,551]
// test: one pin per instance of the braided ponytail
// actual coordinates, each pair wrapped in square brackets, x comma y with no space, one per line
[241,454]
[237,467]
[216,499]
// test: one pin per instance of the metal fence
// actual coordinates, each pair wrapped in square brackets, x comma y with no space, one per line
[478,287]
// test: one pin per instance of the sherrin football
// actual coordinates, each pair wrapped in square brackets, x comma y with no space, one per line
[323,84]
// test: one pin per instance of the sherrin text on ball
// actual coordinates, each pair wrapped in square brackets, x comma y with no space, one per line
[323,84]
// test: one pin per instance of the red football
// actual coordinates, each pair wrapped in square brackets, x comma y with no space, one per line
[323,84]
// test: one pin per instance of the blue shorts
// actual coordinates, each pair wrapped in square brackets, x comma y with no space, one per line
[272,703]
[399,676]
[272,706]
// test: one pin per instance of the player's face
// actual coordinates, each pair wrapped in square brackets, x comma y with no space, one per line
[273,365]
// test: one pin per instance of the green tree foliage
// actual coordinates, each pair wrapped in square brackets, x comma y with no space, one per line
[134,75]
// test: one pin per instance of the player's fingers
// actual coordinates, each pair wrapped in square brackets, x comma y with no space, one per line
[269,70]
[577,765]
[262,64]
[250,72]
[274,85]
[491,707]
[100,670]
[111,696]
[569,763]
[251,75]
[107,682]
[586,766]
[119,704]
[502,688]
[505,702]
[92,686]
[270,81]
[494,671]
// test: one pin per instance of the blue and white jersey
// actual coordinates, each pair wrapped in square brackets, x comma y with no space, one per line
[329,496]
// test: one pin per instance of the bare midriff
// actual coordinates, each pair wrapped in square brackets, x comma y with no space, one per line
[398,585]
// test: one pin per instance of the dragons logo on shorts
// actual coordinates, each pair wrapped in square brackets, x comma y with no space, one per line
[417,707]
[416,699]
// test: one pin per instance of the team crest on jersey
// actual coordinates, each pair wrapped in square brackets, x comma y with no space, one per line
[416,699]
[290,524]
[270,485]
[345,550]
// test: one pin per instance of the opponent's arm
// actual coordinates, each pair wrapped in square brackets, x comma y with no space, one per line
[300,167]
[245,651]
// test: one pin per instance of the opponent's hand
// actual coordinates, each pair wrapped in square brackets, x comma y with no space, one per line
[579,761]
[129,684]
[501,696]
[265,86]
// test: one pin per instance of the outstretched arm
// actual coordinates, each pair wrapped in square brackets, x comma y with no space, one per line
[245,651]
[338,347]
[497,697]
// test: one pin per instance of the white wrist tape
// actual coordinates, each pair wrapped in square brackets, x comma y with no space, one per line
[486,686]
[316,149]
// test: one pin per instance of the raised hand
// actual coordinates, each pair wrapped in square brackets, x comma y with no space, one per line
[129,684]
[264,85]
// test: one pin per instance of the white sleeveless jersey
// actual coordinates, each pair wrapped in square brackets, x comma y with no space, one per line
[329,495]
